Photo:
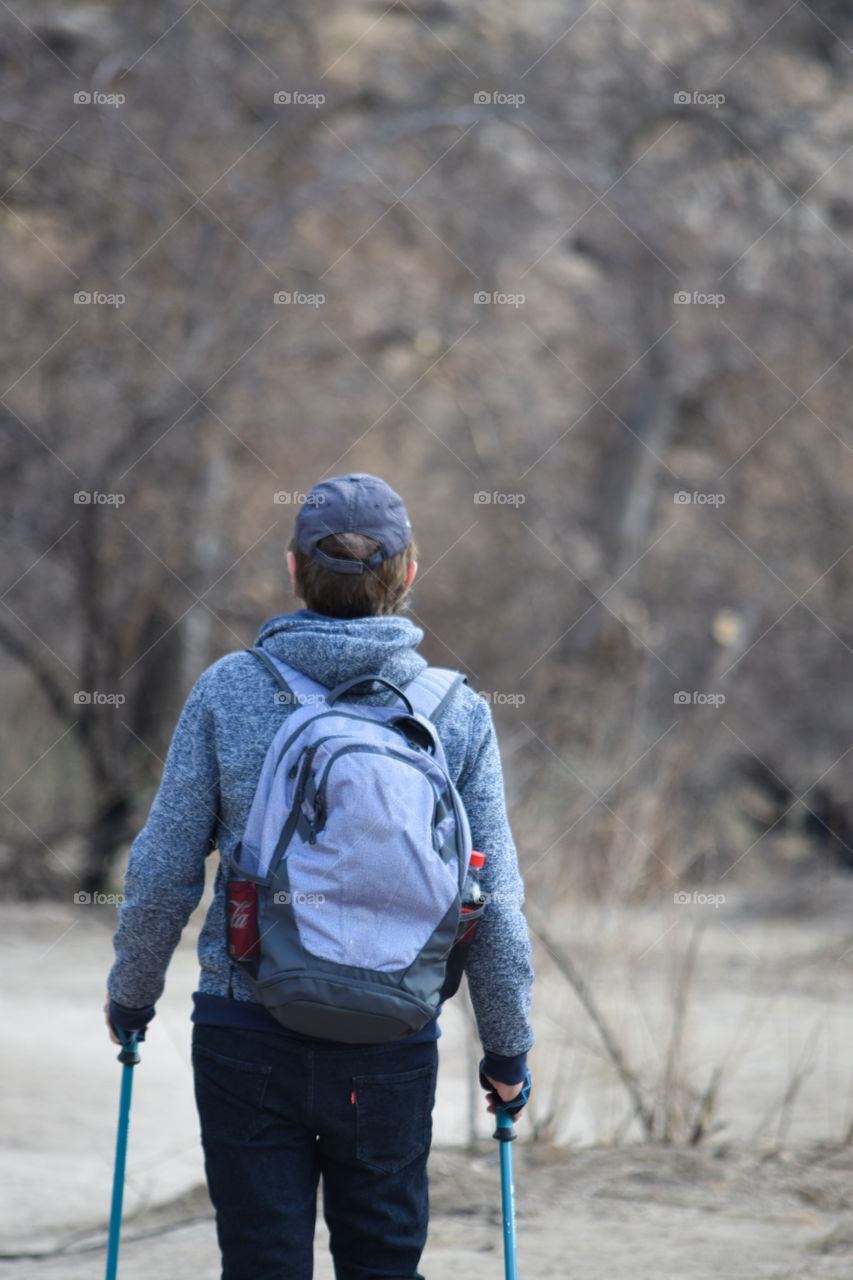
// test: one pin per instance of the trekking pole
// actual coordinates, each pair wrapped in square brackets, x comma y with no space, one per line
[129,1058]
[505,1134]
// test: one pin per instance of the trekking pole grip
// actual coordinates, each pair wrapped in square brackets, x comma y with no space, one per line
[129,1056]
[505,1112]
[504,1126]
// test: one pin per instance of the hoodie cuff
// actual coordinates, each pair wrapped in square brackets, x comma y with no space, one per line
[130,1019]
[504,1070]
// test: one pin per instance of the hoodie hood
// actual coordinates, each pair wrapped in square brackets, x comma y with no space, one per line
[331,650]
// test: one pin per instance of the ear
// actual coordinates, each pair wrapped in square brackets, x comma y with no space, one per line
[291,569]
[410,574]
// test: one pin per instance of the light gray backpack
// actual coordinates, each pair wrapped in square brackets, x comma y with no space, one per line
[358,845]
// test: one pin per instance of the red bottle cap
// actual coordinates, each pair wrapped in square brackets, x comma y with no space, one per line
[477,859]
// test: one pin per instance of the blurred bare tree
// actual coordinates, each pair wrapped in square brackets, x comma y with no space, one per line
[628,468]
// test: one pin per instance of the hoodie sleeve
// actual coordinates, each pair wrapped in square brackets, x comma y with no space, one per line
[500,976]
[165,876]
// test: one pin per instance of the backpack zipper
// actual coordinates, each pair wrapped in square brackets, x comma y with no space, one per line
[308,753]
[349,715]
[320,811]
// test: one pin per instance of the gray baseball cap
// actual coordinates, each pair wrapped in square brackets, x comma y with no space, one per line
[357,503]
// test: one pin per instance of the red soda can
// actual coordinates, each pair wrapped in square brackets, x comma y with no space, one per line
[242,919]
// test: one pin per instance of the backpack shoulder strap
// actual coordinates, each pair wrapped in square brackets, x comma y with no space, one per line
[430,692]
[298,687]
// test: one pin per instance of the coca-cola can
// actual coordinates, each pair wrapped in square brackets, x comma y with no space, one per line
[242,920]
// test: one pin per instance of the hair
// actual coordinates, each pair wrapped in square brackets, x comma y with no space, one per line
[376,591]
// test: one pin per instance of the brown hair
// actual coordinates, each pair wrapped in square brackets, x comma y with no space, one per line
[376,591]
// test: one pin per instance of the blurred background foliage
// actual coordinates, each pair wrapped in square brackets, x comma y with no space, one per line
[586,593]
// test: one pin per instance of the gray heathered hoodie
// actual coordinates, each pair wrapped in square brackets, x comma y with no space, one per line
[208,782]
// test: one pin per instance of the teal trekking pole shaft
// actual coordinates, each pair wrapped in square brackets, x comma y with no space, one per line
[505,1113]
[129,1058]
[505,1133]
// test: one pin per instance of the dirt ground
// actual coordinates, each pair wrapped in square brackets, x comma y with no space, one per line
[767,1194]
[631,1213]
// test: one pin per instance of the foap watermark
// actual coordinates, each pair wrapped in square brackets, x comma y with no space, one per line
[697,898]
[85,99]
[497,698]
[285,899]
[298,98]
[698,98]
[82,898]
[294,498]
[284,699]
[94,698]
[285,299]
[484,298]
[85,298]
[695,698]
[94,498]
[498,498]
[497,98]
[682,298]
[506,899]
[682,498]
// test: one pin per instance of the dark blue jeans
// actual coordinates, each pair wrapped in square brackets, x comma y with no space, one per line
[278,1115]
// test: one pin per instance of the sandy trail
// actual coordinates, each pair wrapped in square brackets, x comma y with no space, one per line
[634,1213]
[768,1194]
